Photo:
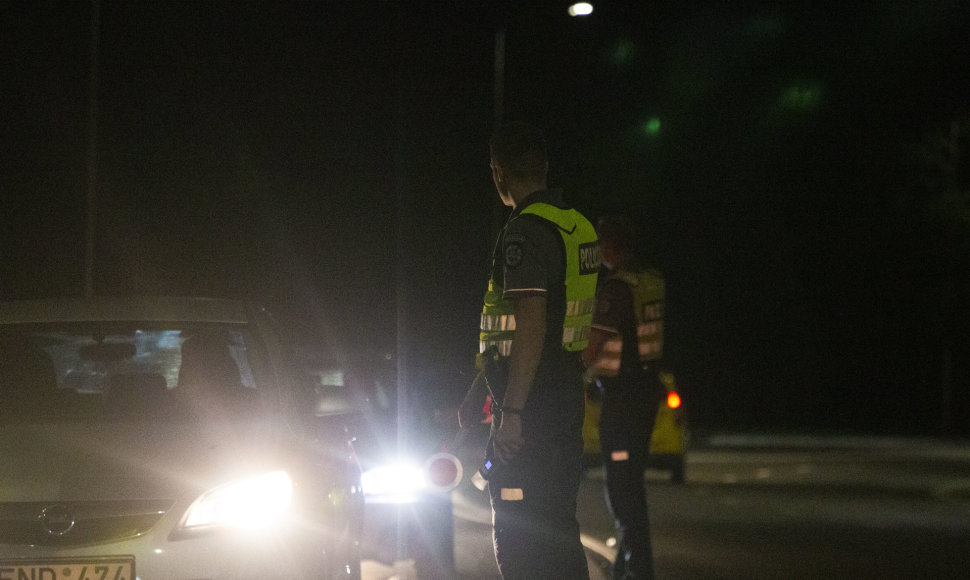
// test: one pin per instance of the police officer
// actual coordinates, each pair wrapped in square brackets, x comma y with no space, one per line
[624,352]
[534,326]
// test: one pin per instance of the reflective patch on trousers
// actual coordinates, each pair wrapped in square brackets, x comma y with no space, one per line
[512,494]
[620,455]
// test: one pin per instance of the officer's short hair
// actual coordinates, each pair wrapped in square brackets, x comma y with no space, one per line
[520,149]
[616,229]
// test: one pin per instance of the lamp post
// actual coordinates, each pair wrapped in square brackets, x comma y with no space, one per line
[498,96]
[578,9]
[499,77]
[92,157]
[498,117]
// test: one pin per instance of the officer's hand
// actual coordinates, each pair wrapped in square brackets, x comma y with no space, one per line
[508,439]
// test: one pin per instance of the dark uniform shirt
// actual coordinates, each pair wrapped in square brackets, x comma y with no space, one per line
[614,314]
[627,418]
[532,260]
[536,531]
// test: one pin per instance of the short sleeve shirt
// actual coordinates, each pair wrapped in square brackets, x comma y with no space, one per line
[614,314]
[614,307]
[532,254]
[533,263]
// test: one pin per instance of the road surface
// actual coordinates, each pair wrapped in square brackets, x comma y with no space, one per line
[778,507]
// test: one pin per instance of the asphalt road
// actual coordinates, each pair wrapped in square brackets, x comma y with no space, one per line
[817,508]
[773,507]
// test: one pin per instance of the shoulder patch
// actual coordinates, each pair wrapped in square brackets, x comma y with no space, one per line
[513,254]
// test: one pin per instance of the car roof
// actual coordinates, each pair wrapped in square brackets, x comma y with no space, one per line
[106,309]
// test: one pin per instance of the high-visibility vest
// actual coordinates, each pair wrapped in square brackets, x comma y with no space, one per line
[583,261]
[649,292]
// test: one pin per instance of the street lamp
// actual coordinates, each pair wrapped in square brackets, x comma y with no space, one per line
[498,77]
[498,117]
[92,153]
[498,94]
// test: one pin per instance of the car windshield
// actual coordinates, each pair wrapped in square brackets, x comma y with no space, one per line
[97,372]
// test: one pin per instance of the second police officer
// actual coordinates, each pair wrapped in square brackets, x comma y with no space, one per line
[624,354]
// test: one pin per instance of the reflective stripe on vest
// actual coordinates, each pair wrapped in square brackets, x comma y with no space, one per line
[648,291]
[582,266]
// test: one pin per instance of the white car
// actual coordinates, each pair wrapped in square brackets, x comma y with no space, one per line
[166,438]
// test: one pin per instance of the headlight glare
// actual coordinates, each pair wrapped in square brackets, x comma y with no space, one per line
[404,481]
[248,504]
[399,482]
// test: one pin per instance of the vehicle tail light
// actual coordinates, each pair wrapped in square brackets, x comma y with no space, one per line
[673,400]
[443,471]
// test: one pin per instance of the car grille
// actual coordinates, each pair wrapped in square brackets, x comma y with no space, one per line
[75,523]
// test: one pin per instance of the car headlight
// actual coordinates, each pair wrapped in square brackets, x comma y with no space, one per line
[248,504]
[399,482]
[405,481]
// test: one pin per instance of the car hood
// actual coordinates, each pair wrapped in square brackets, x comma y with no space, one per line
[43,462]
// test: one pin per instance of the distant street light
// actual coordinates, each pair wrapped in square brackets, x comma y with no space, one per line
[581,9]
[499,213]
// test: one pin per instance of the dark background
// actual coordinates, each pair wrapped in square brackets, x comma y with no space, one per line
[803,185]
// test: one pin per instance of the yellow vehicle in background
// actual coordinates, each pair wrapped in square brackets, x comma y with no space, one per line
[668,443]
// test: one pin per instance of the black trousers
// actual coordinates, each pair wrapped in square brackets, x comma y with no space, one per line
[535,532]
[626,423]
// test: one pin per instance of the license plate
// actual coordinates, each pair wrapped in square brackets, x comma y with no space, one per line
[91,569]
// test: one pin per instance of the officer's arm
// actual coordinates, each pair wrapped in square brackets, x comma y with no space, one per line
[597,338]
[611,299]
[530,333]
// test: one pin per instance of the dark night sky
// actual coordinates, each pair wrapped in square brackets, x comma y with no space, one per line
[317,154]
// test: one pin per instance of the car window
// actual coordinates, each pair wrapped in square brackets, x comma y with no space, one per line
[133,372]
